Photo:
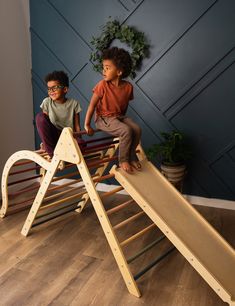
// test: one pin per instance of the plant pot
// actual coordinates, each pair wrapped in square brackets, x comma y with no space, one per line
[175,174]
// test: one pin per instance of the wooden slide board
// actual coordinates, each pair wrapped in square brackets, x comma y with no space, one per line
[193,236]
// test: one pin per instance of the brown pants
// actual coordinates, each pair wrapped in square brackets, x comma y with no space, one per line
[127,130]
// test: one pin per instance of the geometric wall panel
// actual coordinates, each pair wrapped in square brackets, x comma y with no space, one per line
[82,83]
[210,116]
[190,58]
[186,83]
[165,23]
[231,152]
[224,169]
[60,39]
[207,182]
[43,60]
[86,17]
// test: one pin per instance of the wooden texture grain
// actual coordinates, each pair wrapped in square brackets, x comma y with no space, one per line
[69,262]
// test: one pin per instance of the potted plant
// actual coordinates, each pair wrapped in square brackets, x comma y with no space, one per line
[173,151]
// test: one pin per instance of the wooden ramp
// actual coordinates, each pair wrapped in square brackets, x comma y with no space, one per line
[192,235]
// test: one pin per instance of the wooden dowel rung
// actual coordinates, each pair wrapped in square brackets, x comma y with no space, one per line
[58,209]
[15,210]
[119,207]
[99,139]
[90,156]
[101,146]
[104,177]
[151,265]
[64,185]
[84,132]
[53,217]
[96,168]
[65,176]
[69,166]
[106,194]
[24,170]
[137,235]
[54,196]
[146,248]
[22,202]
[95,161]
[73,182]
[74,173]
[69,175]
[98,149]
[23,163]
[104,160]
[63,200]
[24,180]
[24,190]
[96,157]
[132,218]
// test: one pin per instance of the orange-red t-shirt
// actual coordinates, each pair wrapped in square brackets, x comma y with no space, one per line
[113,100]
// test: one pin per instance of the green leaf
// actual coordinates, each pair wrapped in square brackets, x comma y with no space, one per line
[126,34]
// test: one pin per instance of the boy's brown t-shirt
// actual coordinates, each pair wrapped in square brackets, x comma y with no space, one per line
[113,100]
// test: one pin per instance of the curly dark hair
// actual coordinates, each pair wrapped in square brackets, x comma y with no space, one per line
[121,59]
[59,76]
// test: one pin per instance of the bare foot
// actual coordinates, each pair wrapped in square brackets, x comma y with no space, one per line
[136,164]
[47,157]
[42,147]
[126,167]
[61,165]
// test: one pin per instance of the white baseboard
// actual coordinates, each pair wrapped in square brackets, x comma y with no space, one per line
[211,202]
[195,200]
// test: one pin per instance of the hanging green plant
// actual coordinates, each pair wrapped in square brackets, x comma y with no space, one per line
[128,35]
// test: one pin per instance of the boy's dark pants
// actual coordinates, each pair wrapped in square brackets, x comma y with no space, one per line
[127,130]
[48,133]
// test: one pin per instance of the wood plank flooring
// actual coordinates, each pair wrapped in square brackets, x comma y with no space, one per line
[67,261]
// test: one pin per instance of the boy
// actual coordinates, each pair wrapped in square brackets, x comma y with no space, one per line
[57,111]
[110,101]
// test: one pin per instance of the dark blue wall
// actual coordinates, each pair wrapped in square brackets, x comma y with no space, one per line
[188,81]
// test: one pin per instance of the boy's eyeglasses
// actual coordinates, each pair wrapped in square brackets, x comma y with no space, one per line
[54,88]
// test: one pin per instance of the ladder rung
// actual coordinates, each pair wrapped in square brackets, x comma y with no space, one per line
[67,191]
[106,194]
[137,235]
[24,180]
[99,139]
[132,218]
[145,249]
[63,200]
[100,146]
[104,177]
[147,268]
[65,176]
[53,217]
[103,160]
[67,205]
[119,207]
[24,170]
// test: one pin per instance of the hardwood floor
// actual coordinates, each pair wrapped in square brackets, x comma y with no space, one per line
[67,261]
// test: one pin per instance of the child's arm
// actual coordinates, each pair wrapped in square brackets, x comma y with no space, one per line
[77,127]
[89,114]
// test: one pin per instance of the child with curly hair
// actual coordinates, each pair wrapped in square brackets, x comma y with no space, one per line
[57,112]
[110,101]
